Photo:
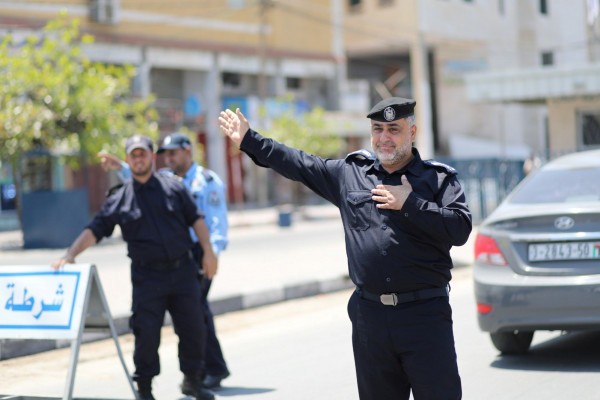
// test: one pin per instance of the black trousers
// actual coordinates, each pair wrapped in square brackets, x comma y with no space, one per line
[215,362]
[155,292]
[402,348]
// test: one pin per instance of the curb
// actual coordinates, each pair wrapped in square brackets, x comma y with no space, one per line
[12,348]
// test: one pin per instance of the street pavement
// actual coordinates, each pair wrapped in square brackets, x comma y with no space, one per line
[237,286]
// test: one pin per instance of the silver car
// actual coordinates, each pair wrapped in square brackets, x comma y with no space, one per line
[537,256]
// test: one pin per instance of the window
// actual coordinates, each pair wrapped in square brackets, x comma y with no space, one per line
[231,79]
[559,186]
[354,5]
[544,7]
[547,58]
[293,83]
[589,122]
[104,11]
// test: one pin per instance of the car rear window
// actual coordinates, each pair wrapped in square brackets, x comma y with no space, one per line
[559,186]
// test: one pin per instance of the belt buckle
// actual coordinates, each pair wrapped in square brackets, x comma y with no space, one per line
[389,299]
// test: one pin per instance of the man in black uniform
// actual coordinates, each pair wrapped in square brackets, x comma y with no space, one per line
[401,216]
[154,212]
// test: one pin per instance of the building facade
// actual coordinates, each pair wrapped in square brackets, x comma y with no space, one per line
[199,57]
[430,49]
[492,78]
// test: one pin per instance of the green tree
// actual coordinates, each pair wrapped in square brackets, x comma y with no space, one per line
[307,132]
[54,98]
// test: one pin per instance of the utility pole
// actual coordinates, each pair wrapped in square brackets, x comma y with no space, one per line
[263,12]
[419,67]
[260,174]
[337,21]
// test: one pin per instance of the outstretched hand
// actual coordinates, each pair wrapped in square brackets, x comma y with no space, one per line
[108,162]
[234,125]
[392,197]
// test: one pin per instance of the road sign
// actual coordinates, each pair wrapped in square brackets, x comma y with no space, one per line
[37,302]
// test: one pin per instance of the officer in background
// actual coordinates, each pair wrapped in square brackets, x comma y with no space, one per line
[401,216]
[154,212]
[209,193]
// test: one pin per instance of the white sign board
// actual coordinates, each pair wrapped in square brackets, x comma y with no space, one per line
[37,302]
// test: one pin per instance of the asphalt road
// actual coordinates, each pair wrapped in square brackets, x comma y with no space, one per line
[301,349]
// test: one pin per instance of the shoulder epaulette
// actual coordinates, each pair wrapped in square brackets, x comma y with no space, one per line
[208,174]
[439,165]
[362,153]
[113,189]
[167,173]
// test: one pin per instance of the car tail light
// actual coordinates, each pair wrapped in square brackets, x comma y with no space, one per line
[484,308]
[487,251]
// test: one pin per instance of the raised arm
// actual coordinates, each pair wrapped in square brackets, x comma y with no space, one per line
[111,162]
[234,125]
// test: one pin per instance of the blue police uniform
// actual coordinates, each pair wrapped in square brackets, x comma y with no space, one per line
[154,218]
[403,340]
[209,192]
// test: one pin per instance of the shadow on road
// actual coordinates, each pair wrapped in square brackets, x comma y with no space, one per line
[226,391]
[571,352]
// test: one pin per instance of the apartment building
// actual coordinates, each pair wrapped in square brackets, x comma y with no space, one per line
[484,72]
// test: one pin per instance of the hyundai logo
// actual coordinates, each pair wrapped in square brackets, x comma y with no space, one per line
[564,223]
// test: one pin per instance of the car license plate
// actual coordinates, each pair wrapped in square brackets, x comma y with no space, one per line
[564,251]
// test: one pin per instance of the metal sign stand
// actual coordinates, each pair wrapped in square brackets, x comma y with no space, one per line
[96,315]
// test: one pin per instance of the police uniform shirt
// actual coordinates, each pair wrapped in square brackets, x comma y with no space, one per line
[209,193]
[154,218]
[388,250]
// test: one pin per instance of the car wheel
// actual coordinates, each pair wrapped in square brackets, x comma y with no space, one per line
[515,342]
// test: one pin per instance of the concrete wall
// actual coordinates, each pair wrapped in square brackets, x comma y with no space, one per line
[209,24]
[563,122]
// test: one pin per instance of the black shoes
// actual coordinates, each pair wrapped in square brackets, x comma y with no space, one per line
[193,386]
[214,381]
[144,391]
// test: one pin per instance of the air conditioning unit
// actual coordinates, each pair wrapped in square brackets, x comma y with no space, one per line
[105,11]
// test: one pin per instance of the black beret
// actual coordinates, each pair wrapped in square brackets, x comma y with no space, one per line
[392,109]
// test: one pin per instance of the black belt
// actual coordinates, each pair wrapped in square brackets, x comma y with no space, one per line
[392,299]
[166,264]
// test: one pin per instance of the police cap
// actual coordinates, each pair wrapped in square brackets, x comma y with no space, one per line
[138,142]
[392,109]
[175,141]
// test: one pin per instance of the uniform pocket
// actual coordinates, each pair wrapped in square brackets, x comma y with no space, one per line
[130,222]
[360,207]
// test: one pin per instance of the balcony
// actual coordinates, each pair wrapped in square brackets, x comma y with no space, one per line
[533,85]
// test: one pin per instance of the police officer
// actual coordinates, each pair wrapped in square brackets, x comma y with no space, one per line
[154,212]
[401,216]
[209,192]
